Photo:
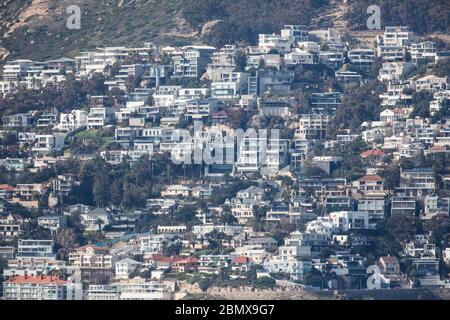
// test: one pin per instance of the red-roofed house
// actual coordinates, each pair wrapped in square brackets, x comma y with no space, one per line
[184,264]
[219,116]
[371,182]
[372,153]
[241,264]
[35,288]
[159,261]
[178,264]
[389,265]
[6,191]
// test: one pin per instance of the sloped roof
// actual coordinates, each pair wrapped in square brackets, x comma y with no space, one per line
[371,177]
[36,280]
[372,153]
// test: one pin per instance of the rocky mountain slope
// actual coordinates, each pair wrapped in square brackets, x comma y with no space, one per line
[36,29]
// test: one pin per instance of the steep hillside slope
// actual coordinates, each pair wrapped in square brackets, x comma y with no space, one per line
[36,29]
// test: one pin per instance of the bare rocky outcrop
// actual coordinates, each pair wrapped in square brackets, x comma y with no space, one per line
[3,53]
[209,26]
[36,11]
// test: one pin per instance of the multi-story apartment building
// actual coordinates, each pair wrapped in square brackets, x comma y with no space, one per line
[35,249]
[333,59]
[299,56]
[293,260]
[396,36]
[230,85]
[222,61]
[272,81]
[394,71]
[403,205]
[313,126]
[154,243]
[92,257]
[273,42]
[96,61]
[391,53]
[71,121]
[134,289]
[295,33]
[16,70]
[435,205]
[423,50]
[362,59]
[417,182]
[325,103]
[35,288]
[191,61]
[263,154]
[375,204]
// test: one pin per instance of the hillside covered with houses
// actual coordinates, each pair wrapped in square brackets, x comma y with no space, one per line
[299,162]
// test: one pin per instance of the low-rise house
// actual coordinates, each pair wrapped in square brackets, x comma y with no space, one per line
[11,226]
[53,223]
[430,83]
[435,205]
[176,190]
[423,50]
[370,183]
[125,266]
[265,243]
[426,266]
[420,247]
[213,263]
[186,265]
[251,192]
[397,114]
[242,210]
[69,122]
[202,230]
[95,220]
[256,253]
[349,220]
[16,164]
[241,264]
[7,252]
[46,143]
